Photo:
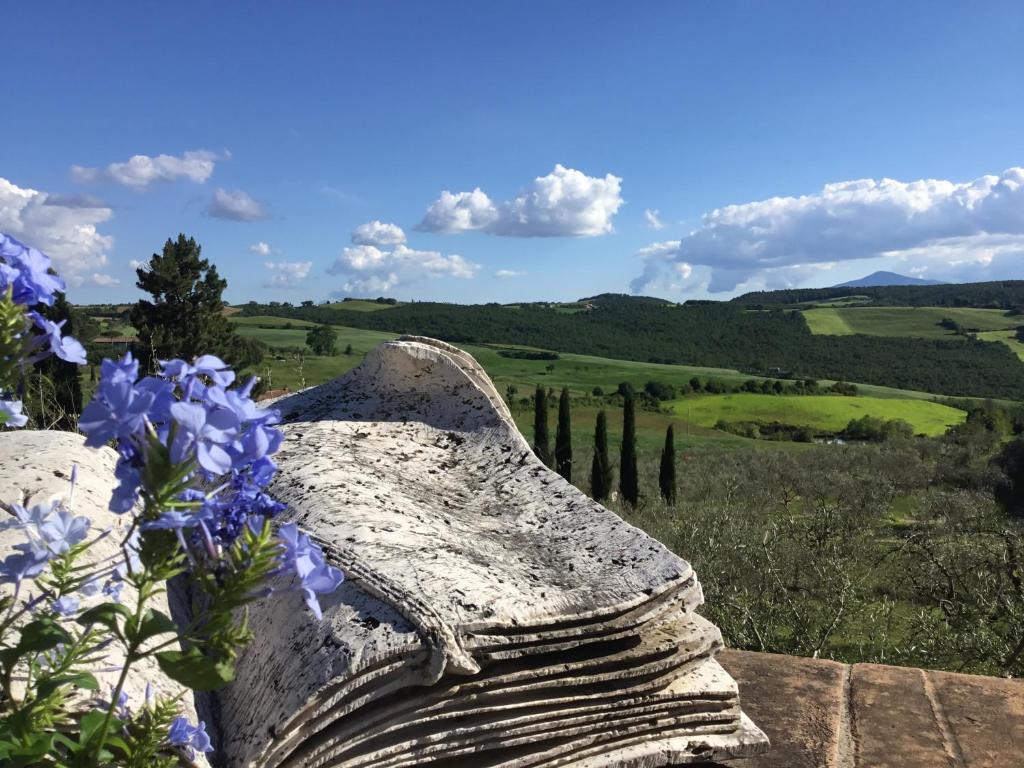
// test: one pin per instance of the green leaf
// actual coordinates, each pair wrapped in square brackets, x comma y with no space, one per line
[106,615]
[91,722]
[42,635]
[154,623]
[193,670]
[23,755]
[84,680]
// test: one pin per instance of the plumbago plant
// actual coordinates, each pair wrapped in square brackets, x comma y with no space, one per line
[194,460]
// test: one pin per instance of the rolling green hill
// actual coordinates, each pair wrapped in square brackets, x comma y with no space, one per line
[705,334]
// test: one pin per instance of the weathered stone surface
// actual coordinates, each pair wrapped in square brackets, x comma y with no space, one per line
[36,467]
[493,614]
[828,715]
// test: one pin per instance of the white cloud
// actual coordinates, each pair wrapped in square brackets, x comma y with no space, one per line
[953,230]
[139,171]
[62,228]
[503,273]
[653,219]
[371,269]
[236,205]
[136,264]
[260,249]
[565,203]
[286,274]
[106,281]
[378,233]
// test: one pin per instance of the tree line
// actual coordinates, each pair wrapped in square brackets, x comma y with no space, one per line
[1003,294]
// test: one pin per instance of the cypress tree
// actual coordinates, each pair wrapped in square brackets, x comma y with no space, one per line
[563,438]
[541,442]
[667,473]
[628,482]
[600,467]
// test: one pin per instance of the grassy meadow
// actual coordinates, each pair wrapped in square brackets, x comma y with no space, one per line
[826,412]
[919,322]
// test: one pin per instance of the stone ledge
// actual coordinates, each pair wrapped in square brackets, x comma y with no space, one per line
[823,714]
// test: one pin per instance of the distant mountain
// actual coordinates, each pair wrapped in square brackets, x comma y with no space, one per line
[876,279]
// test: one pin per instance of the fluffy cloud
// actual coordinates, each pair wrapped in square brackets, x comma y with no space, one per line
[139,171]
[372,269]
[286,274]
[260,249]
[653,219]
[378,233]
[951,230]
[565,203]
[504,273]
[63,228]
[236,205]
[104,281]
[136,264]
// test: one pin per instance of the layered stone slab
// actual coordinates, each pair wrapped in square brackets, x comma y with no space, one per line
[493,614]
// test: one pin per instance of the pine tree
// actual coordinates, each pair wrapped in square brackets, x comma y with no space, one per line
[667,473]
[186,318]
[541,441]
[563,438]
[600,467]
[628,481]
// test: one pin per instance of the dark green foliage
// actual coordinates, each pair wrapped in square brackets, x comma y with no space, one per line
[541,440]
[185,318]
[877,430]
[53,395]
[629,485]
[659,390]
[1006,294]
[600,467]
[597,392]
[563,438]
[322,340]
[1009,491]
[1020,333]
[667,470]
[348,349]
[718,334]
[528,354]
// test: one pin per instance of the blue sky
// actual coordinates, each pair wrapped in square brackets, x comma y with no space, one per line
[272,132]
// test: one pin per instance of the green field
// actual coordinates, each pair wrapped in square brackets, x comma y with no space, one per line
[361,305]
[1009,338]
[828,412]
[920,322]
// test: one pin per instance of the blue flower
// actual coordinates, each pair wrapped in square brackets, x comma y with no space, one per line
[28,272]
[62,530]
[306,559]
[207,431]
[65,606]
[192,737]
[27,563]
[11,415]
[64,347]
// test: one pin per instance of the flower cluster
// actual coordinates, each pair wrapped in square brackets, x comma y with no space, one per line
[27,282]
[211,436]
[50,530]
